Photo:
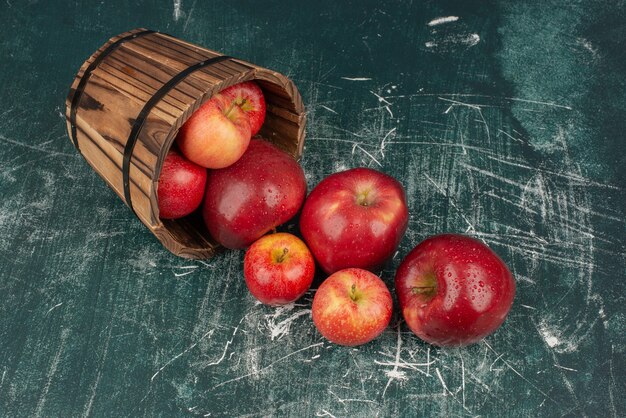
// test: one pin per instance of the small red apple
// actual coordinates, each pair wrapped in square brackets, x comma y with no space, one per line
[216,135]
[453,290]
[181,186]
[278,268]
[355,218]
[263,189]
[249,97]
[352,307]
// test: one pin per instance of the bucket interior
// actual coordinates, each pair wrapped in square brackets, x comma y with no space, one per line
[283,126]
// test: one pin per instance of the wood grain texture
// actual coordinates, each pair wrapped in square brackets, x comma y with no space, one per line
[127,76]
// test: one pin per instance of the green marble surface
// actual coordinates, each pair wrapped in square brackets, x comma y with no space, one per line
[505,121]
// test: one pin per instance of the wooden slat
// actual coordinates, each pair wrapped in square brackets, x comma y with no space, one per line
[119,88]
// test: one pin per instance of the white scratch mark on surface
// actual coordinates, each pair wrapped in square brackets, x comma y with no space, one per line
[51,372]
[33,147]
[54,307]
[193,6]
[356,78]
[520,375]
[565,368]
[462,378]
[395,373]
[183,274]
[588,46]
[324,413]
[329,109]
[568,176]
[510,136]
[207,334]
[255,372]
[177,11]
[509,201]
[442,144]
[611,387]
[443,192]
[458,103]
[387,104]
[380,98]
[515,99]
[469,40]
[343,401]
[96,383]
[495,176]
[461,136]
[491,369]
[442,20]
[356,145]
[228,343]
[279,329]
[548,334]
[443,384]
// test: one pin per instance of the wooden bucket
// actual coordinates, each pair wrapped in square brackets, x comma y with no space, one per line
[128,101]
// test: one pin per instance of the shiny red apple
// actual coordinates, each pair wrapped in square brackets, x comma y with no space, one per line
[352,307]
[278,268]
[263,189]
[249,97]
[181,186]
[453,290]
[355,218]
[216,135]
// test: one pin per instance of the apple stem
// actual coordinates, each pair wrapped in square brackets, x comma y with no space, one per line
[281,257]
[423,289]
[227,113]
[353,292]
[362,198]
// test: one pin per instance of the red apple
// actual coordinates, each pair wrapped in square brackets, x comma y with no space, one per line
[249,97]
[181,186]
[263,189]
[354,218]
[352,307]
[216,135]
[454,290]
[278,269]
